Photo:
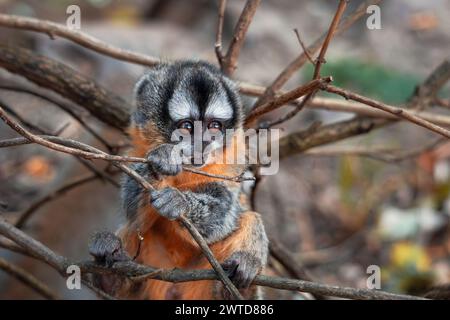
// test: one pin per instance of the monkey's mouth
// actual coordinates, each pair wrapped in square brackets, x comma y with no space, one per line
[200,158]
[198,165]
[197,162]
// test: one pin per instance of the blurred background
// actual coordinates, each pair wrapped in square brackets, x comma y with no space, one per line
[337,214]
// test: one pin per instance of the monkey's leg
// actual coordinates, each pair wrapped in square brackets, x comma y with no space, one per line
[106,248]
[246,252]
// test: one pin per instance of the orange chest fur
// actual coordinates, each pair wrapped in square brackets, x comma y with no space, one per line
[167,243]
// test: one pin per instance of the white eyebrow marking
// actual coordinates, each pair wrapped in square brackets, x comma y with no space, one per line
[219,108]
[181,107]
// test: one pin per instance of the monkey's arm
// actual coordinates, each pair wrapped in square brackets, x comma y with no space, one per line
[214,210]
[160,164]
[249,249]
[212,207]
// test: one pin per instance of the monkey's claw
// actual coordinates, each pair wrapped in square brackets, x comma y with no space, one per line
[164,161]
[106,248]
[169,202]
[242,268]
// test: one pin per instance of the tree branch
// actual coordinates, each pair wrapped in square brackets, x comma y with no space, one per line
[219,33]
[303,140]
[285,258]
[55,29]
[399,112]
[28,279]
[285,98]
[300,141]
[299,61]
[429,88]
[331,31]
[132,269]
[25,216]
[65,108]
[318,64]
[302,44]
[230,60]
[64,80]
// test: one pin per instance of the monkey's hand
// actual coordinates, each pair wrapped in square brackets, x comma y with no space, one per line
[106,248]
[242,268]
[164,160]
[170,202]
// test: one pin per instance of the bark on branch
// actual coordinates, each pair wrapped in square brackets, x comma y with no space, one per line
[85,40]
[50,74]
[230,60]
[132,269]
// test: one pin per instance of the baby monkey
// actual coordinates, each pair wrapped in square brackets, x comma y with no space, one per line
[178,105]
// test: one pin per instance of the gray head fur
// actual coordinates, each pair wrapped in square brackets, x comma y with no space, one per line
[197,90]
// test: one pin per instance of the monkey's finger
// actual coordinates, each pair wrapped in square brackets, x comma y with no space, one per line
[230,266]
[243,278]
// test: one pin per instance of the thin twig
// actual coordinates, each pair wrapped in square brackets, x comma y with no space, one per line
[25,122]
[298,107]
[442,103]
[63,107]
[305,50]
[399,112]
[340,105]
[285,98]
[303,140]
[41,252]
[318,64]
[85,40]
[229,61]
[88,152]
[380,153]
[219,33]
[300,60]
[103,175]
[28,279]
[425,93]
[25,216]
[285,258]
[147,276]
[210,257]
[238,178]
[87,165]
[331,31]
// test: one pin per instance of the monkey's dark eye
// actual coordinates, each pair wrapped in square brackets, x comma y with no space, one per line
[186,125]
[215,125]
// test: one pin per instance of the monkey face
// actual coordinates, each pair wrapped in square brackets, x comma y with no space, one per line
[191,105]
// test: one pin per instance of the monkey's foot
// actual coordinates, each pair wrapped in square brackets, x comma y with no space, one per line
[242,268]
[107,248]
